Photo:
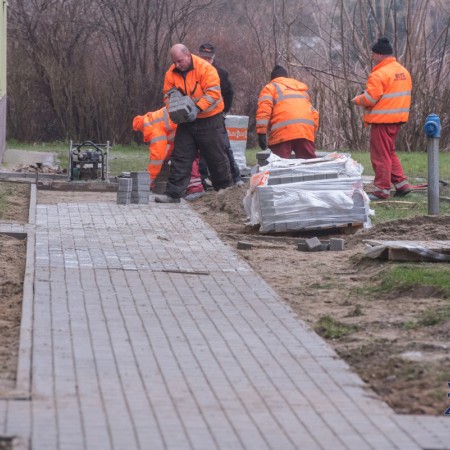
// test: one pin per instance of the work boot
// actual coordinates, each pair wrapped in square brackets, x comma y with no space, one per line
[194,196]
[374,198]
[166,199]
[402,192]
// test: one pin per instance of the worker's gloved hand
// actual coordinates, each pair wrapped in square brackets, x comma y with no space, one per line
[192,114]
[262,141]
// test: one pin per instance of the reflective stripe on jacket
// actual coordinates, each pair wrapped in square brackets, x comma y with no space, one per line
[285,112]
[201,82]
[159,132]
[387,97]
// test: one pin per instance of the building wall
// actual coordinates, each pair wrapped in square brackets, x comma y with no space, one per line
[2,127]
[3,6]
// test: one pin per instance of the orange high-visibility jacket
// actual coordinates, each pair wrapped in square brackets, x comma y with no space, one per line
[285,112]
[201,83]
[387,97]
[159,132]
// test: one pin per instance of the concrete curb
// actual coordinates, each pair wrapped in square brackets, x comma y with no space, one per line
[23,381]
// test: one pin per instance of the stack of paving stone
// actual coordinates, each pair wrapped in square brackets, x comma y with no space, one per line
[237,133]
[140,190]
[306,194]
[124,190]
[314,204]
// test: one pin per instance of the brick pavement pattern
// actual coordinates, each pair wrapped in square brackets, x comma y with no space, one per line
[150,333]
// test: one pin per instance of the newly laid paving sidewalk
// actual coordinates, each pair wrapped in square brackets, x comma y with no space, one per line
[148,332]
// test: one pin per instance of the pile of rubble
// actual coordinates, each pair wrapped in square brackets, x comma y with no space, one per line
[39,168]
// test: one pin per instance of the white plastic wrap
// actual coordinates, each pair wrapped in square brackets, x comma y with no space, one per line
[341,163]
[237,133]
[308,204]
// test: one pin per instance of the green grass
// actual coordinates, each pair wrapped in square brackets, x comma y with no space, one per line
[408,277]
[330,328]
[415,204]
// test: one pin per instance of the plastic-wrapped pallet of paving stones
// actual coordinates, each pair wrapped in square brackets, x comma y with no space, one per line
[294,194]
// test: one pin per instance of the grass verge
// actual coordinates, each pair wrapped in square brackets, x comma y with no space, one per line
[431,279]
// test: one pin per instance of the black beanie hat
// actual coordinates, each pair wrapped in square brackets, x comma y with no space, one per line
[383,47]
[278,71]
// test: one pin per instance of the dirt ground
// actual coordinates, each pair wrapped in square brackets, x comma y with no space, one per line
[14,201]
[409,367]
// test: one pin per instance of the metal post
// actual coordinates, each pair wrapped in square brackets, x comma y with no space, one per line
[433,176]
[432,129]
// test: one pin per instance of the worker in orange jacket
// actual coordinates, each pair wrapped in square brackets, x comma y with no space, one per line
[386,102]
[159,131]
[286,115]
[199,80]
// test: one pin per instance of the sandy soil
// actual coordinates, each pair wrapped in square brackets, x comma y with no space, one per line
[14,201]
[408,366]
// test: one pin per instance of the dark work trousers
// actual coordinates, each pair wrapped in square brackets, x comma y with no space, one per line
[235,172]
[385,162]
[303,149]
[205,136]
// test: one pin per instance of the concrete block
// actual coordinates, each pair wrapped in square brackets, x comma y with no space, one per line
[336,244]
[313,244]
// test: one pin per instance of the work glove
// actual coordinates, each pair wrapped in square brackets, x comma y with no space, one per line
[192,113]
[262,141]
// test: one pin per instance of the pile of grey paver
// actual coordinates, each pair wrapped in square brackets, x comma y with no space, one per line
[134,188]
[311,204]
[313,194]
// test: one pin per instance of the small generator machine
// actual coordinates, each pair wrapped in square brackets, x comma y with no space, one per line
[88,161]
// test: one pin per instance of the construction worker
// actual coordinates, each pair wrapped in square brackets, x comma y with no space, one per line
[197,79]
[386,102]
[159,131]
[207,52]
[286,115]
